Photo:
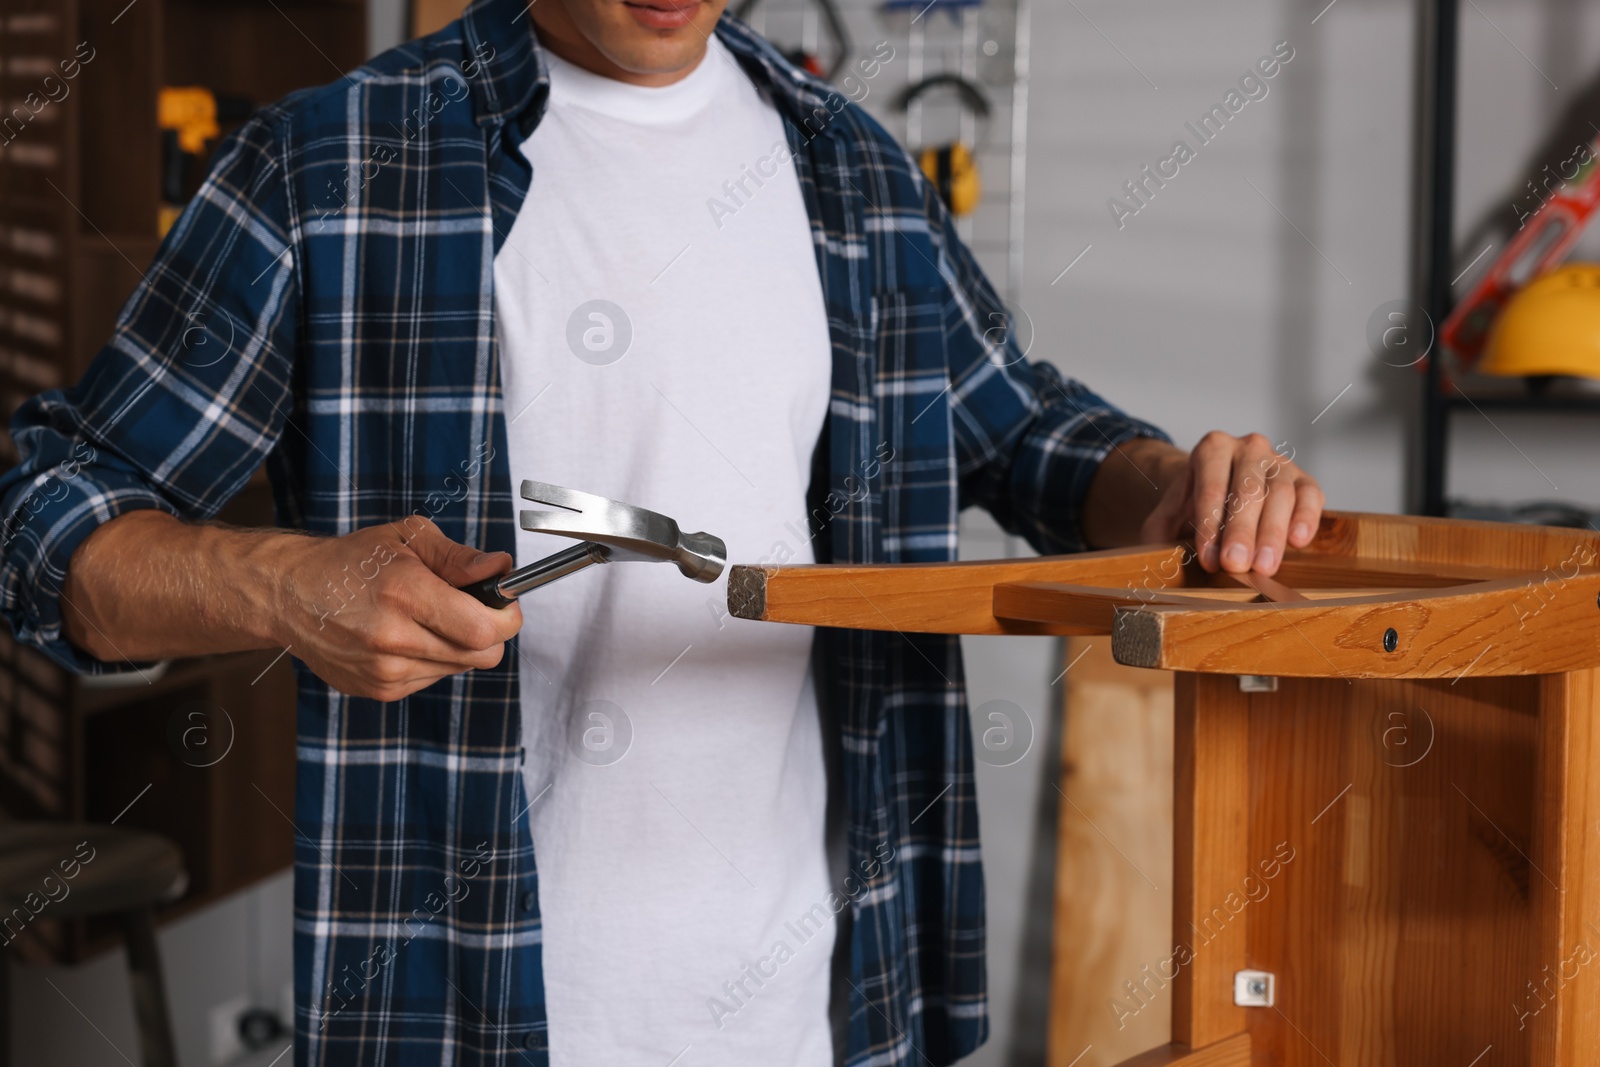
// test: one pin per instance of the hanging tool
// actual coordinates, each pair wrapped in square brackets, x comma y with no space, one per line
[1547,235]
[189,116]
[952,167]
[614,532]
[832,23]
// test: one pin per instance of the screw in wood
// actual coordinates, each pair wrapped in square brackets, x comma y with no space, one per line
[1391,640]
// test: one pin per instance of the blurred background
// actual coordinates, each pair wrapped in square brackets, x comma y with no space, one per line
[1276,282]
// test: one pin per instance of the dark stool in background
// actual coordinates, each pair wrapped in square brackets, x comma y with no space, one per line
[130,872]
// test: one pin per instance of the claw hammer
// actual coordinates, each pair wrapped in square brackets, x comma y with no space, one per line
[613,532]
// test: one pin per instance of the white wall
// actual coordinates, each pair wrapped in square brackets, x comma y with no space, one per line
[1209,309]
[386,24]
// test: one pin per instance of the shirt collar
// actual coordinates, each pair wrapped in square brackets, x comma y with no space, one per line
[803,98]
[511,82]
[509,79]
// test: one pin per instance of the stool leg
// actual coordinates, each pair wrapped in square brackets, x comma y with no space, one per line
[149,993]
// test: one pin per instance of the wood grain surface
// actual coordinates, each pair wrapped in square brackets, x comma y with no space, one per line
[1404,928]
[1459,597]
[1415,859]
[1487,628]
[1234,1052]
[1211,855]
[949,598]
[1432,893]
[1112,926]
[1565,996]
[1423,542]
[1086,608]
[1378,854]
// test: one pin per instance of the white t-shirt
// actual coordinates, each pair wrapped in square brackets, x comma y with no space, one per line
[664,342]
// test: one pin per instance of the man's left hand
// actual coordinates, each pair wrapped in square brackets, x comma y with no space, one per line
[1244,500]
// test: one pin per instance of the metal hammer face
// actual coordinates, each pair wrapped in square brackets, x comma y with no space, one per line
[629,533]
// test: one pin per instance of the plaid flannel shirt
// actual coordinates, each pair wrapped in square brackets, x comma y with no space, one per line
[325,305]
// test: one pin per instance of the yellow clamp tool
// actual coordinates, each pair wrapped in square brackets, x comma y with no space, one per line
[189,116]
[191,112]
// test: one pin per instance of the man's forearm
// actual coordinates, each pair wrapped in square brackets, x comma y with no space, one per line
[149,586]
[1126,488]
[376,613]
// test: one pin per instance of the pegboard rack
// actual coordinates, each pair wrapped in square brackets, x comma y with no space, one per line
[985,43]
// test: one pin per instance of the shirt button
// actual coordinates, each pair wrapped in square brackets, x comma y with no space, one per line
[533,1042]
[530,900]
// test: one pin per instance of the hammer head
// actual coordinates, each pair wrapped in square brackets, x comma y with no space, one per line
[628,532]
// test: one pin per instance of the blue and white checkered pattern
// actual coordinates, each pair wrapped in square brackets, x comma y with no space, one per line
[326,304]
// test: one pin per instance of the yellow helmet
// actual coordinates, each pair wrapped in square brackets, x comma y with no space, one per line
[1552,327]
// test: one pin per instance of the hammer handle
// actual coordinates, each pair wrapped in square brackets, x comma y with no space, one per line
[502,589]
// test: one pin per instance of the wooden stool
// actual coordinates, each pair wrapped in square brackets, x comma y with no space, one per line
[1386,780]
[67,870]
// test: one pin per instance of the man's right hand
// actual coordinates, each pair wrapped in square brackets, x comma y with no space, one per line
[375,613]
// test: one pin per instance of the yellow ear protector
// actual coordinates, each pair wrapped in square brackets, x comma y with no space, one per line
[952,168]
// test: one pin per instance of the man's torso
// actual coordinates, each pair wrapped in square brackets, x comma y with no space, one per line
[659,349]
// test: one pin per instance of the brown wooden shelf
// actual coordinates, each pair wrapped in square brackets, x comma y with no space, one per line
[80,241]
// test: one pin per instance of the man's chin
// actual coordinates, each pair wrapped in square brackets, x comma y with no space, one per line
[659,55]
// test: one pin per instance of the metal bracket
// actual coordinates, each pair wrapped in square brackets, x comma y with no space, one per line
[1254,989]
[1258,683]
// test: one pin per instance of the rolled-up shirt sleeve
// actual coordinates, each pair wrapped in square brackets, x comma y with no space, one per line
[179,407]
[1043,480]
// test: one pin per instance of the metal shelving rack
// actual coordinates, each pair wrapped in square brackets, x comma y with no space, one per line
[1442,397]
[1435,237]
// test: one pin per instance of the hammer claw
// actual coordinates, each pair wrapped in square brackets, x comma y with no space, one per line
[612,532]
